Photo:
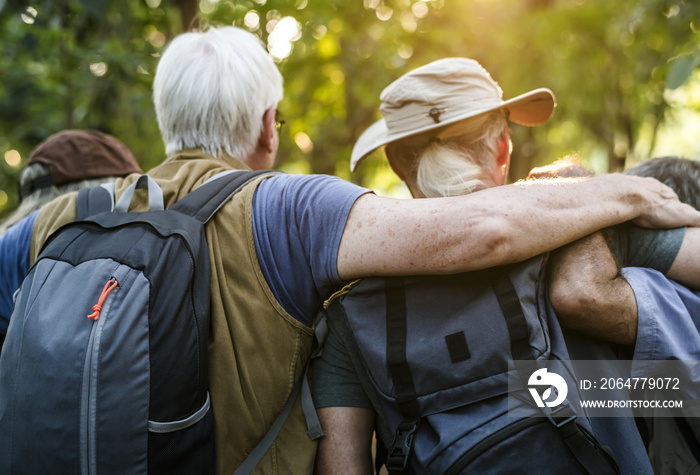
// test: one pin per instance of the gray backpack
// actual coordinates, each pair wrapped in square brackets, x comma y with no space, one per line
[437,351]
[104,368]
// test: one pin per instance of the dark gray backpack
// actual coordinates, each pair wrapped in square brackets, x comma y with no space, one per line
[437,352]
[104,368]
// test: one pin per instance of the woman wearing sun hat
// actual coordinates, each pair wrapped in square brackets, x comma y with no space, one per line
[445,133]
[445,127]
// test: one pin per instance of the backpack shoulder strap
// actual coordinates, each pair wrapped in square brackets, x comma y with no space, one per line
[406,398]
[512,310]
[581,444]
[206,200]
[314,429]
[256,455]
[585,448]
[92,201]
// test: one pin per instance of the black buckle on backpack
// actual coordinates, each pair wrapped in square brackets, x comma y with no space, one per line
[400,449]
[562,415]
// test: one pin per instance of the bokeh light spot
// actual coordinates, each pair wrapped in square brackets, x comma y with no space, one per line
[13,158]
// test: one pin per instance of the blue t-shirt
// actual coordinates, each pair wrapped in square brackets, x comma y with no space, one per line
[14,264]
[298,221]
[668,326]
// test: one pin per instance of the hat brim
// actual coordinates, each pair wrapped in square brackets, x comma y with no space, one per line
[530,109]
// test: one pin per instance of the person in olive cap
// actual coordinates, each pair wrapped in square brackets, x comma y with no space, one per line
[66,161]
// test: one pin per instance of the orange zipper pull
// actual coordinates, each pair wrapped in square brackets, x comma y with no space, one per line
[107,289]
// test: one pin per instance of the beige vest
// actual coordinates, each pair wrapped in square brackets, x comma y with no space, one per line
[257,350]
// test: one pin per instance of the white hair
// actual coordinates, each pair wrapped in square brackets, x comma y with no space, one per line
[41,196]
[444,170]
[455,165]
[212,89]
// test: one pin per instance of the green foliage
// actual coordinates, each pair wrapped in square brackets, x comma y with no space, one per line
[78,64]
[608,63]
[90,63]
[680,69]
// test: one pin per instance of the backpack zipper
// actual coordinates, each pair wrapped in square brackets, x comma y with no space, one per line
[96,309]
[88,454]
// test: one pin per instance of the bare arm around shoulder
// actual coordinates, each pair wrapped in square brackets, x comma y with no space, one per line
[346,447]
[496,226]
[588,293]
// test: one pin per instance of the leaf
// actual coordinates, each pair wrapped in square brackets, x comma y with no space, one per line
[680,70]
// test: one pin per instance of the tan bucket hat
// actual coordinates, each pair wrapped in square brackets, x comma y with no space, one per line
[442,93]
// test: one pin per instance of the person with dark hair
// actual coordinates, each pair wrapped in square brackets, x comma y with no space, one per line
[284,243]
[656,319]
[680,174]
[65,162]
[590,290]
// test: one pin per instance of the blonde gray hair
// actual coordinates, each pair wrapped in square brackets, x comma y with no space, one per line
[454,165]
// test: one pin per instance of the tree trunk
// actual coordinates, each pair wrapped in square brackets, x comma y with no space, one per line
[188,13]
[524,152]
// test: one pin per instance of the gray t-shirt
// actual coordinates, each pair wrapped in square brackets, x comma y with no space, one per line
[640,247]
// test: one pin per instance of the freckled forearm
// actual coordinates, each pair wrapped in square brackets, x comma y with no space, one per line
[492,227]
[391,238]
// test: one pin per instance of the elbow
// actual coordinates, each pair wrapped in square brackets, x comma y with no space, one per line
[571,301]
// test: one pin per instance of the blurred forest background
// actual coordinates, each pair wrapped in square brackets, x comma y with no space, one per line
[625,72]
